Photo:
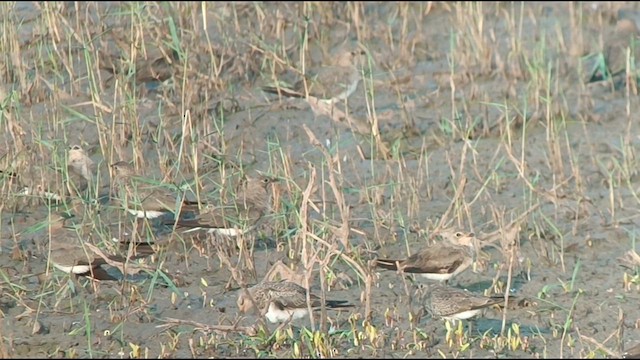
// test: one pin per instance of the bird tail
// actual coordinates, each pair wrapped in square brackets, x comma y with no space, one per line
[98,273]
[184,223]
[192,205]
[515,302]
[186,201]
[282,91]
[140,250]
[387,264]
[338,304]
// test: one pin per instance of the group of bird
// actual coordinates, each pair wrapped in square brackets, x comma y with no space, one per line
[285,300]
[278,301]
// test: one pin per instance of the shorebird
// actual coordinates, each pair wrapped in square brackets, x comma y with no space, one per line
[329,83]
[625,36]
[81,169]
[632,352]
[456,304]
[251,204]
[143,199]
[68,254]
[154,64]
[441,261]
[283,300]
[80,163]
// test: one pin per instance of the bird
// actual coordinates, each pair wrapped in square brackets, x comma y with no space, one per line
[329,83]
[283,301]
[439,262]
[143,199]
[624,36]
[252,203]
[68,254]
[80,164]
[456,304]
[154,63]
[81,169]
[632,352]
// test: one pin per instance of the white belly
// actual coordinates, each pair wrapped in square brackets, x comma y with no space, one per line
[275,315]
[437,277]
[141,214]
[220,231]
[463,315]
[76,269]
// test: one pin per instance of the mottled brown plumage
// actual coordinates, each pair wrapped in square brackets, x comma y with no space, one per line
[616,44]
[80,163]
[81,169]
[153,65]
[251,204]
[441,261]
[625,36]
[632,352]
[143,199]
[283,300]
[451,303]
[68,254]
[332,83]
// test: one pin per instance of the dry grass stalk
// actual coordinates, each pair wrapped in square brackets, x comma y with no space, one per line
[510,246]
[308,259]
[344,209]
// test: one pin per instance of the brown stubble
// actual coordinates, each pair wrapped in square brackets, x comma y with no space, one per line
[343,248]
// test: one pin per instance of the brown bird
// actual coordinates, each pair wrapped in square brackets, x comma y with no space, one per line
[80,163]
[283,301]
[441,261]
[330,83]
[155,64]
[81,169]
[68,254]
[143,199]
[251,204]
[625,36]
[632,352]
[451,303]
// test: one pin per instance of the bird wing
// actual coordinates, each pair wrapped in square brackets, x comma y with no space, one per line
[435,260]
[287,294]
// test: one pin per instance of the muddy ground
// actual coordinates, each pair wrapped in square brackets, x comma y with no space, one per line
[468,117]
